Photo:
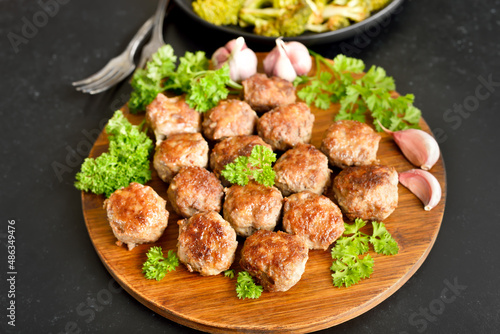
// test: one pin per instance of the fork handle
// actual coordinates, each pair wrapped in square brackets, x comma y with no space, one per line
[139,37]
[158,20]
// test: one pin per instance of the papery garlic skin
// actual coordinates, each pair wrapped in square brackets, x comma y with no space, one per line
[220,56]
[419,147]
[299,57]
[424,185]
[283,67]
[287,60]
[242,61]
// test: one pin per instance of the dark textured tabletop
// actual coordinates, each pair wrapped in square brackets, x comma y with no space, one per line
[446,52]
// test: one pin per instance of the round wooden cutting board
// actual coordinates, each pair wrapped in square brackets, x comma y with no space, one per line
[210,303]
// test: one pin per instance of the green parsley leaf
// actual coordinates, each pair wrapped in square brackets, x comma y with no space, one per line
[257,166]
[349,265]
[246,288]
[382,241]
[157,266]
[204,88]
[359,94]
[208,88]
[147,83]
[189,65]
[229,273]
[126,161]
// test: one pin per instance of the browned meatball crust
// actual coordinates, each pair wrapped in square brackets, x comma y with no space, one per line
[207,243]
[350,143]
[302,168]
[167,116]
[180,150]
[136,215]
[314,217]
[252,207]
[286,126]
[193,190]
[367,192]
[229,118]
[276,259]
[227,150]
[263,93]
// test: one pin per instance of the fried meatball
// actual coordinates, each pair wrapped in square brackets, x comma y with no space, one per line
[207,243]
[286,126]
[314,217]
[367,192]
[263,93]
[350,143]
[193,190]
[180,150]
[227,150]
[229,118]
[303,167]
[252,207]
[136,215]
[276,259]
[167,116]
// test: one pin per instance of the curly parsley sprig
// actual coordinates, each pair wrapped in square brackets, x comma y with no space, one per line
[257,166]
[359,93]
[126,161]
[246,287]
[157,266]
[204,88]
[349,265]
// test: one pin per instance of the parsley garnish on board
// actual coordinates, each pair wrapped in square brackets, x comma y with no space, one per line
[349,265]
[359,93]
[246,288]
[204,88]
[157,266]
[126,161]
[257,166]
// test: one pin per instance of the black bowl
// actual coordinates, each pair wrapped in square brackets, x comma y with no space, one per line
[371,25]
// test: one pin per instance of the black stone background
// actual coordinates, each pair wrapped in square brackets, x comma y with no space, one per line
[437,50]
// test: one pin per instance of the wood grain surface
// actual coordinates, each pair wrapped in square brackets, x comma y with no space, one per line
[210,303]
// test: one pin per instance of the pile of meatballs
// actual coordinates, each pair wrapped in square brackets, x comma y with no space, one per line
[277,225]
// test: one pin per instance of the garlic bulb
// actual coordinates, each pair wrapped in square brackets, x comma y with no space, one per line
[419,147]
[424,185]
[287,60]
[242,60]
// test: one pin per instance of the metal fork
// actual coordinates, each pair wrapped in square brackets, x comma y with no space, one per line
[156,40]
[118,68]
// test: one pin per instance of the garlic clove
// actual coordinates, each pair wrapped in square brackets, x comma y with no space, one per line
[270,60]
[242,61]
[287,60]
[220,56]
[299,57]
[419,147]
[424,185]
[243,65]
[283,67]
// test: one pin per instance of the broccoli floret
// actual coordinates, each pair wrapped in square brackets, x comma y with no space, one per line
[356,10]
[333,23]
[294,21]
[259,16]
[378,4]
[274,22]
[284,3]
[218,12]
